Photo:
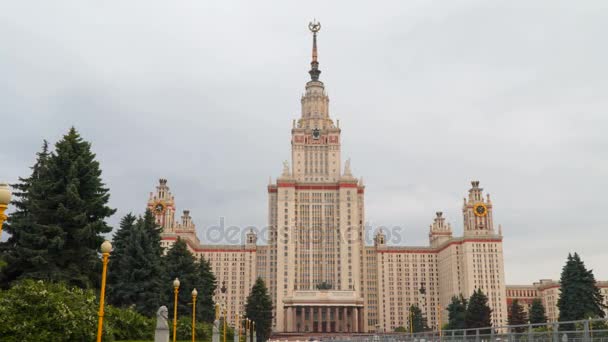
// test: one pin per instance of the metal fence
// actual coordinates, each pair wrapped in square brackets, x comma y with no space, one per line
[592,330]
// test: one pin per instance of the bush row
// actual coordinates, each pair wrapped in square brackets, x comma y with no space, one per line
[39,311]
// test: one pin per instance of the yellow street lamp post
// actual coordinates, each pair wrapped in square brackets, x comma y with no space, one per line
[237,325]
[5,199]
[194,294]
[223,290]
[439,321]
[411,321]
[106,248]
[175,291]
[225,321]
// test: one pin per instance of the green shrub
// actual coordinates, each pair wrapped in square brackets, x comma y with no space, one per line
[203,330]
[38,311]
[128,324]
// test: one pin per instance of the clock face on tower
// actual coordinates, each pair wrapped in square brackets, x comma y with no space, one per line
[480,209]
[316,133]
[159,208]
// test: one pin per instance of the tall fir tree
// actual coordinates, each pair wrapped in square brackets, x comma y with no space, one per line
[205,286]
[479,314]
[180,263]
[417,320]
[77,205]
[121,236]
[579,297]
[517,316]
[153,230]
[119,241]
[64,207]
[537,312]
[259,309]
[457,311]
[26,253]
[136,273]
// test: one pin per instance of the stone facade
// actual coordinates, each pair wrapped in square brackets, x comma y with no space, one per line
[320,274]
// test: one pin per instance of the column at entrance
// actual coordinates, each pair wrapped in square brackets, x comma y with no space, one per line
[348,319]
[361,320]
[355,319]
[297,319]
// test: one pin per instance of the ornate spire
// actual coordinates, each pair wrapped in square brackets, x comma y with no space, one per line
[314,72]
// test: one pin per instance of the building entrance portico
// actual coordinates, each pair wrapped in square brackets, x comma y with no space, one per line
[323,312]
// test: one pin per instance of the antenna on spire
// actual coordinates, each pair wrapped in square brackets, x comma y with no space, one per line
[314,27]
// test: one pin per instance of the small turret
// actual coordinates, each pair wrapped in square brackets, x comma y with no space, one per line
[252,239]
[439,231]
[380,238]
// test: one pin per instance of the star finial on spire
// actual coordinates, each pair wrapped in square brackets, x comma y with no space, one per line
[314,72]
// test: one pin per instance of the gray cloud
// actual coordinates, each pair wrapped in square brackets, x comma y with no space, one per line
[430,95]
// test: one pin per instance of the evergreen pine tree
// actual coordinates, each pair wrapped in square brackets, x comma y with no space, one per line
[21,190]
[479,314]
[136,274]
[457,312]
[537,312]
[180,263]
[206,288]
[517,316]
[153,230]
[259,309]
[579,297]
[119,242]
[57,233]
[76,205]
[417,320]
[121,236]
[26,253]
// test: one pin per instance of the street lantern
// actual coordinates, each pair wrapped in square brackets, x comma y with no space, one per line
[223,289]
[194,294]
[106,248]
[175,292]
[5,199]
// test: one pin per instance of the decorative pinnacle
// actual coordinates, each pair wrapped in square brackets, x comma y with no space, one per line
[314,72]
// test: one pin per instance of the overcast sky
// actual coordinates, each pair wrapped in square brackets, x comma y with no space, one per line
[430,95]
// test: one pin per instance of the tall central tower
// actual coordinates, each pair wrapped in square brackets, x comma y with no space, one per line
[316,216]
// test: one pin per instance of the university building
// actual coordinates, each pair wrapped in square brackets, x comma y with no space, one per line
[321,275]
[547,291]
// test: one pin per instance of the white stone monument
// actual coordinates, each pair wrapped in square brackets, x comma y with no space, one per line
[216,331]
[161,334]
